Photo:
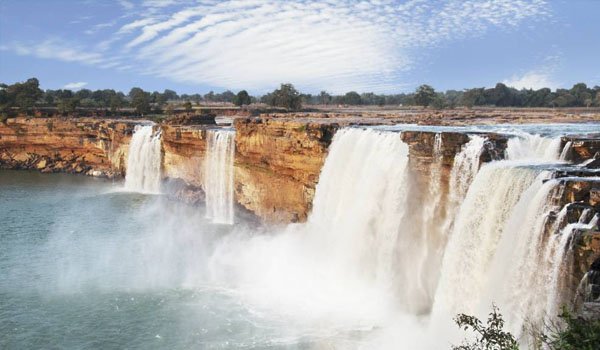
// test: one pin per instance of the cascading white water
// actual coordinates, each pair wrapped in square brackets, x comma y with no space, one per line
[218,175]
[565,151]
[496,250]
[346,253]
[534,148]
[358,202]
[144,161]
[473,241]
[466,166]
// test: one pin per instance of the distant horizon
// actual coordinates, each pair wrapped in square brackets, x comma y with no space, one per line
[383,47]
[125,91]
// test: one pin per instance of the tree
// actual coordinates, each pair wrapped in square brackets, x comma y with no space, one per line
[502,96]
[352,98]
[424,95]
[170,95]
[68,105]
[286,96]
[23,95]
[158,99]
[473,97]
[188,106]
[581,93]
[116,102]
[209,96]
[488,337]
[439,101]
[83,93]
[324,98]
[242,98]
[140,100]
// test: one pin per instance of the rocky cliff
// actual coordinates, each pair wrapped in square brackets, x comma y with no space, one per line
[91,146]
[277,165]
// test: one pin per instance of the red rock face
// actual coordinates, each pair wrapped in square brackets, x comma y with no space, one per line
[277,165]
[91,146]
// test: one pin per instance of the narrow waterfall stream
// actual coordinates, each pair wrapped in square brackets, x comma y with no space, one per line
[218,175]
[144,161]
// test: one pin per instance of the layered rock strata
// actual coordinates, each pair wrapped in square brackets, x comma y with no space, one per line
[91,146]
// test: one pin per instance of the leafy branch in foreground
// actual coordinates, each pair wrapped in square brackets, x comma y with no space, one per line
[490,336]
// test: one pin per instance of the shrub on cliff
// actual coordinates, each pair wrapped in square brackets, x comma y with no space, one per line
[571,333]
[488,337]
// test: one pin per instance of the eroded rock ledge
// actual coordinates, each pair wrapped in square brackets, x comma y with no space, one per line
[90,146]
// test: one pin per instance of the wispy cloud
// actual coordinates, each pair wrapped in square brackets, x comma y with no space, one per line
[128,5]
[531,80]
[256,44]
[540,77]
[75,86]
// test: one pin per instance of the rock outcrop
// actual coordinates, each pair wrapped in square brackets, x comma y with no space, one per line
[277,165]
[91,146]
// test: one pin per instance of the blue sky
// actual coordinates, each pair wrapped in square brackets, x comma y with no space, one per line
[373,45]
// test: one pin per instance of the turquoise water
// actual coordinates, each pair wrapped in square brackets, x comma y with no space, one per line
[84,266]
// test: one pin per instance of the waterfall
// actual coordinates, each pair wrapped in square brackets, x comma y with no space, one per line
[466,166]
[498,248]
[357,207]
[144,161]
[348,251]
[564,154]
[474,238]
[381,239]
[534,148]
[218,175]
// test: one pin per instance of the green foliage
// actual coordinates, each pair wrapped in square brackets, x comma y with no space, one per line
[286,96]
[117,101]
[439,101]
[68,104]
[188,106]
[140,100]
[490,336]
[242,98]
[424,95]
[574,334]
[324,98]
[352,98]
[22,95]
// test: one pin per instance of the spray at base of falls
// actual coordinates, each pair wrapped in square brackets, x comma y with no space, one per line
[144,161]
[218,175]
[346,253]
[366,261]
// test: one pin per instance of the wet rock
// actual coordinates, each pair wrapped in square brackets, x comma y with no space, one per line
[41,164]
[582,148]
[191,119]
[595,197]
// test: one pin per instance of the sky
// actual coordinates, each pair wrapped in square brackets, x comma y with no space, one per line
[338,46]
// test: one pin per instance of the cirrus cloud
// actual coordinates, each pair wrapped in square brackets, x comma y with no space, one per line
[256,44]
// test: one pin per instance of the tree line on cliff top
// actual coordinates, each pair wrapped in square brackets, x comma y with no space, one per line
[26,96]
